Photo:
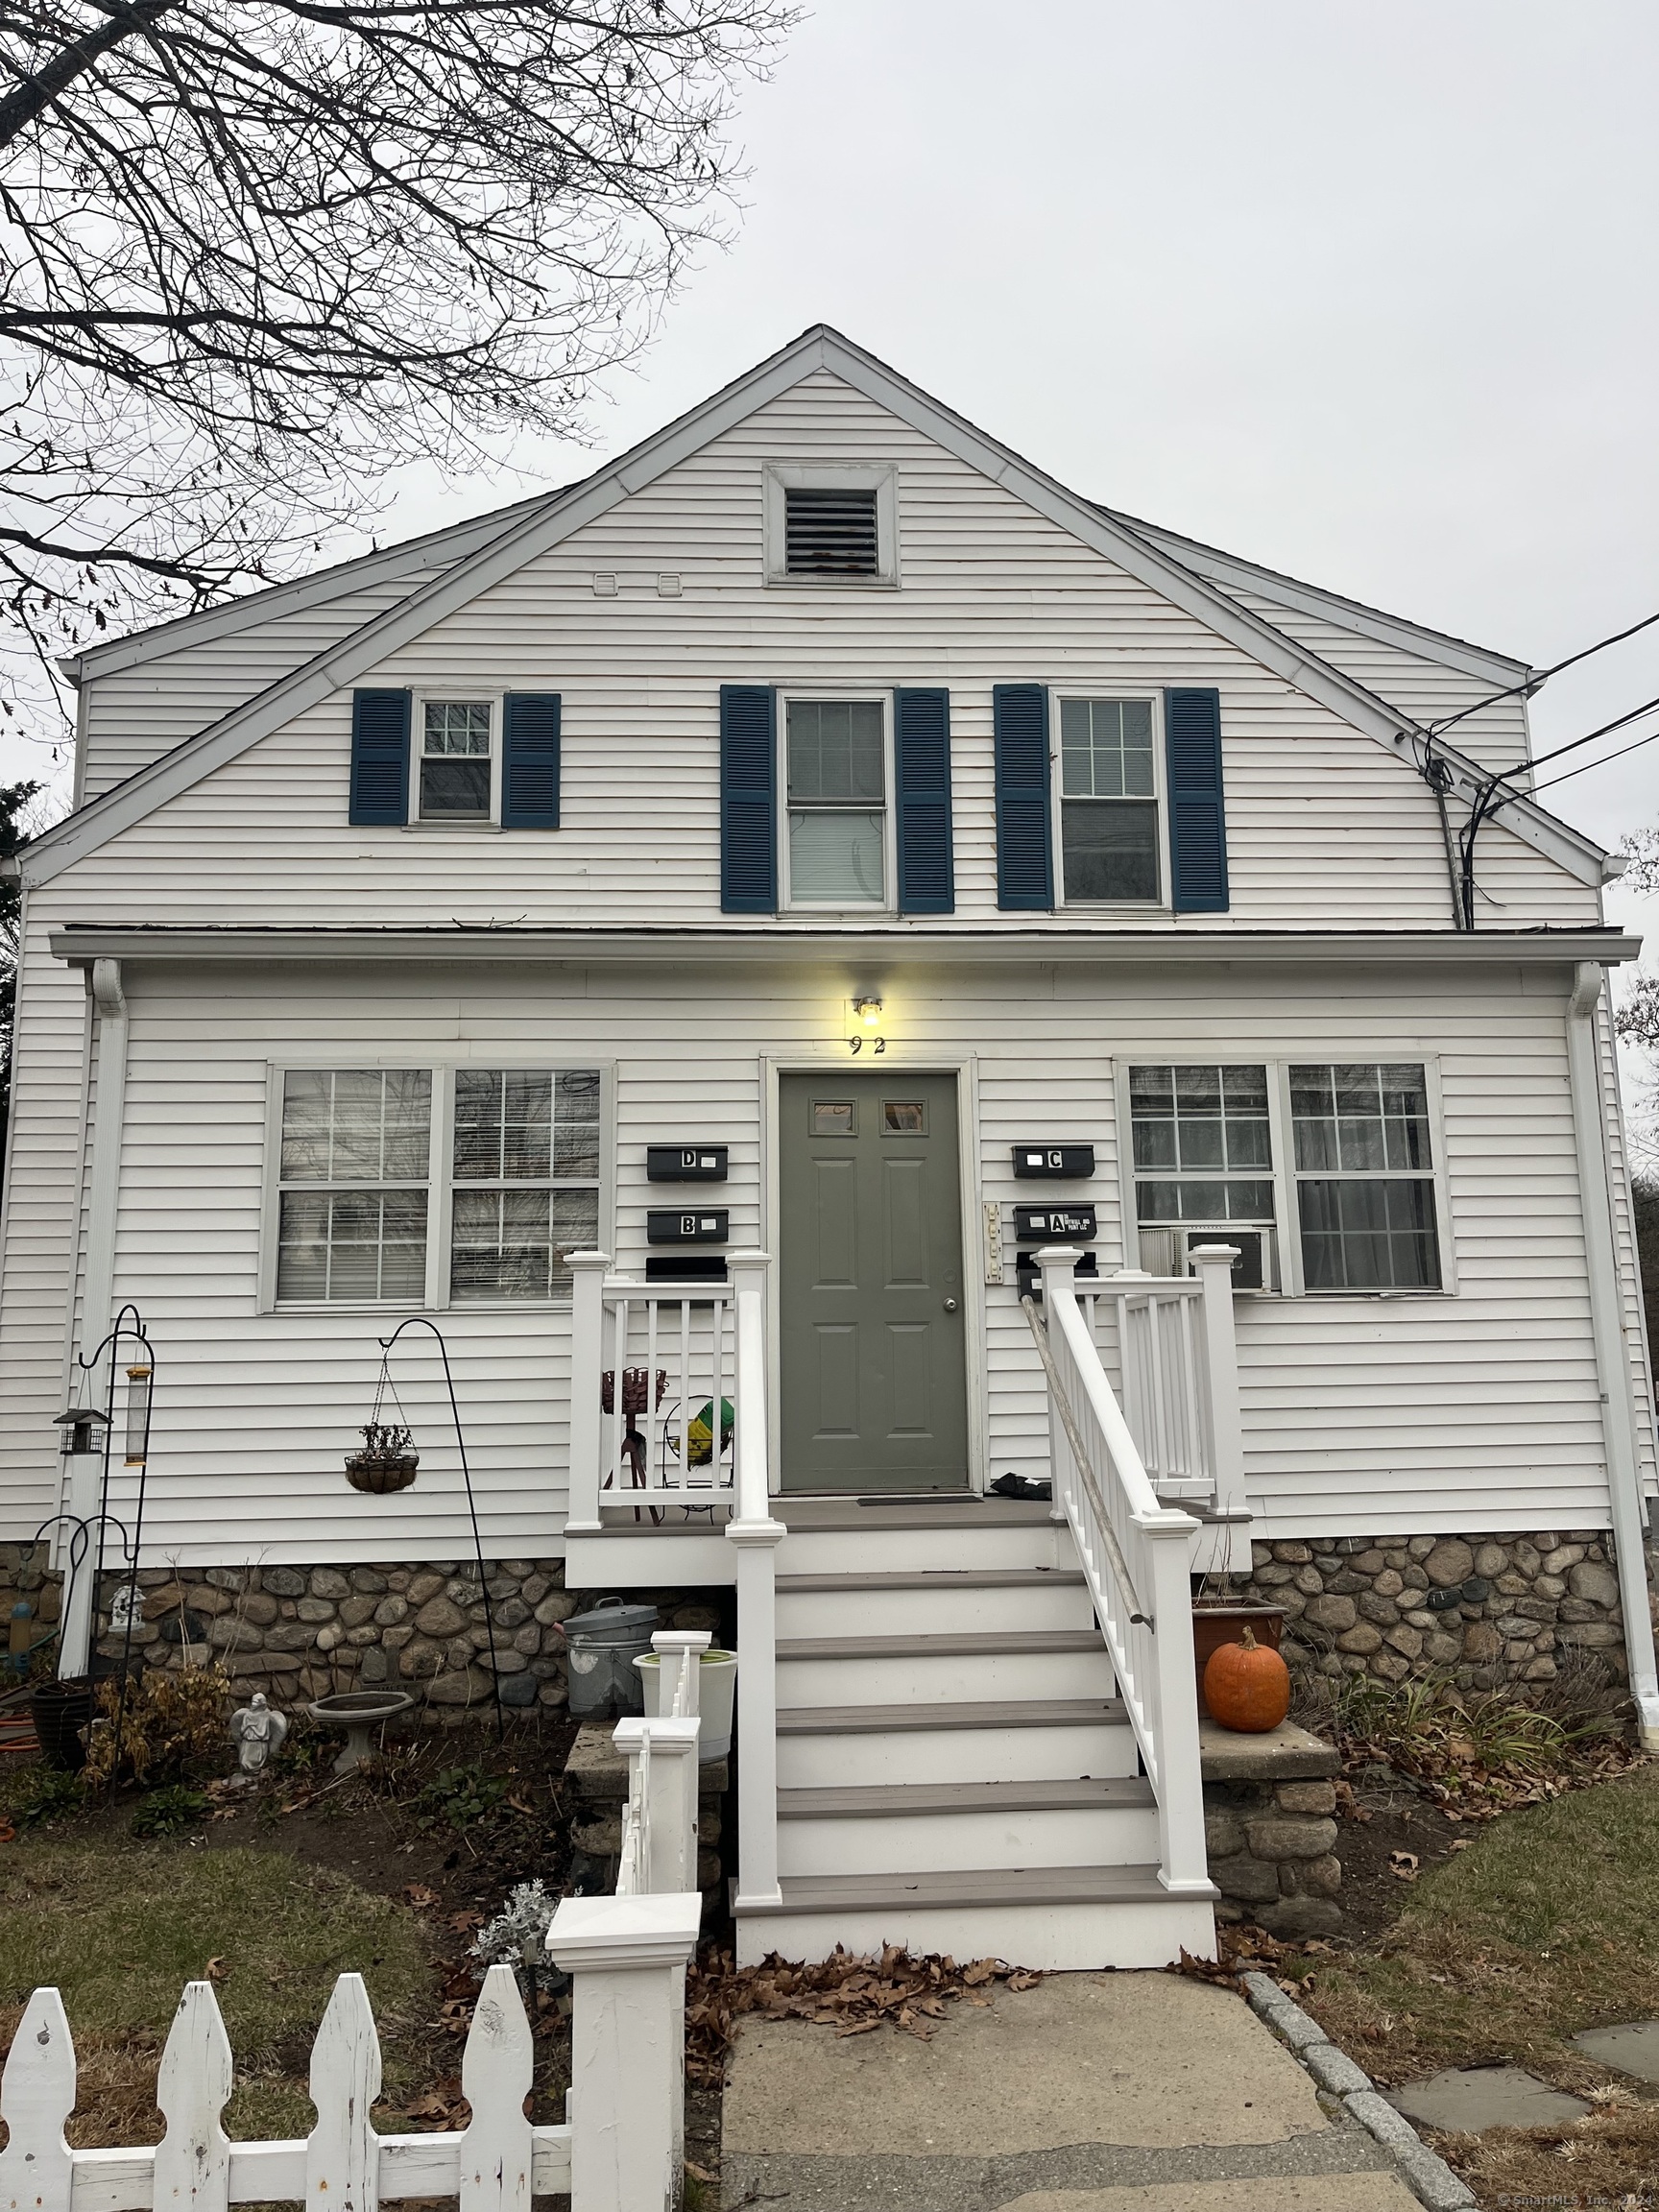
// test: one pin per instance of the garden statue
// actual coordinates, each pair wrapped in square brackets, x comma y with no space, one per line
[257,1733]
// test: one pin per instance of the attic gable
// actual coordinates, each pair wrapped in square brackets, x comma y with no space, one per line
[546,523]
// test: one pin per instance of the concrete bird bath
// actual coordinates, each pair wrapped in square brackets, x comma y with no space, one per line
[359,1713]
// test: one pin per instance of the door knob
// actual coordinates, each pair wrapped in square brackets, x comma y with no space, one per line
[950,1304]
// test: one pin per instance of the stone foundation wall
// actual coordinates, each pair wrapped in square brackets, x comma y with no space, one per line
[301,1632]
[1272,1850]
[1488,1611]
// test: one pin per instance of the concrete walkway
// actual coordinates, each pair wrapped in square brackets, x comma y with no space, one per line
[1091,2093]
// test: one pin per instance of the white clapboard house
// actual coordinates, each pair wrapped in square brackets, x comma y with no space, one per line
[716,923]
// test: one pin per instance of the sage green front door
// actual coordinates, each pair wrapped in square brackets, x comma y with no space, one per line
[874,1362]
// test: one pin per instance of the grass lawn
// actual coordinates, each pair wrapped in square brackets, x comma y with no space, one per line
[1543,1926]
[121,1926]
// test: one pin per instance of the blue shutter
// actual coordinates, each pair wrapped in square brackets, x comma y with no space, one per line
[380,757]
[1197,816]
[530,760]
[748,798]
[922,754]
[1024,837]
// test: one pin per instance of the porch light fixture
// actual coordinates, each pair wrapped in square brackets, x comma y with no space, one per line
[82,1428]
[867,1012]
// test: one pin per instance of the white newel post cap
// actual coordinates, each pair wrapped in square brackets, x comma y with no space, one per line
[681,1638]
[667,1737]
[586,1262]
[617,1935]
[1214,1255]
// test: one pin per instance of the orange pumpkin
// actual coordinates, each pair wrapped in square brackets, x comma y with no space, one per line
[1247,1686]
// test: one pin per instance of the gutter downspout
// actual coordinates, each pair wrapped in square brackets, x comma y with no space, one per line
[1612,1367]
[103,1201]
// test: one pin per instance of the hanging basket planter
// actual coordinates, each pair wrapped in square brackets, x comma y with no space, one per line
[387,1462]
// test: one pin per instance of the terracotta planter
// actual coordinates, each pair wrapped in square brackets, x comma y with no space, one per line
[1218,1620]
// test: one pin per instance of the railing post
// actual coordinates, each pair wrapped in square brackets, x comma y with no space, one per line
[681,1651]
[757,1535]
[1059,1265]
[1214,1264]
[587,1272]
[1168,1538]
[670,1855]
[627,1959]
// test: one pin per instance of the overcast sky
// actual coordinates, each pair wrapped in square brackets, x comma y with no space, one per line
[1362,292]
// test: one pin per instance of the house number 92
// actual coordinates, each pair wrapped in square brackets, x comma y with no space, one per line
[855,1045]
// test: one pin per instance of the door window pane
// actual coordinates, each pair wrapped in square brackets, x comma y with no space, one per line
[1109,849]
[836,857]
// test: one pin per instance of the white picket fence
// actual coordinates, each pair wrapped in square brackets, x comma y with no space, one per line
[620,2148]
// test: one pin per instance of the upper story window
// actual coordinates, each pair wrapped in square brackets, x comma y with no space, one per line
[1364,1177]
[1110,837]
[827,526]
[835,759]
[455,760]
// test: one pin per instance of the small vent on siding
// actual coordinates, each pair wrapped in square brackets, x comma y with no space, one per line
[829,533]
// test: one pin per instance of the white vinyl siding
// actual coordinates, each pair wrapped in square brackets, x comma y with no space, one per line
[1408,1415]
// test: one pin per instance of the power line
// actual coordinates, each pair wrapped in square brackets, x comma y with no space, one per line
[1584,767]
[1540,676]
[1606,730]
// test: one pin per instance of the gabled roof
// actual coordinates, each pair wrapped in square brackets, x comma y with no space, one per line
[543,523]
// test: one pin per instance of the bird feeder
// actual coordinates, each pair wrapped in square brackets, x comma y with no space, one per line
[82,1428]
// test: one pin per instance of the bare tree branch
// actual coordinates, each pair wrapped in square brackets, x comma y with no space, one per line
[255,254]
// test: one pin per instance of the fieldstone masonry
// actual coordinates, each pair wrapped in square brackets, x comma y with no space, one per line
[1487,1611]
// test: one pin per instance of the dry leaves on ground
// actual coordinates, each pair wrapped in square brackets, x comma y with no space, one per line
[854,1996]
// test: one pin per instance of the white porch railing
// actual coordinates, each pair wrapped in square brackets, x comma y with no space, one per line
[756,1534]
[1136,1556]
[1169,1342]
[653,1394]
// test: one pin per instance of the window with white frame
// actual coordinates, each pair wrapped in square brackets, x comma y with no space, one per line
[356,1158]
[526,1180]
[835,777]
[363,1196]
[455,763]
[1109,840]
[1203,1142]
[1365,1176]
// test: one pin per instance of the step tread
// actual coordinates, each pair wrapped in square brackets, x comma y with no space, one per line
[883,1800]
[1136,1885]
[937,1578]
[950,1643]
[955,1509]
[986,1713]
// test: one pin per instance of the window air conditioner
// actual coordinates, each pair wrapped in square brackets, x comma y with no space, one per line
[1167,1251]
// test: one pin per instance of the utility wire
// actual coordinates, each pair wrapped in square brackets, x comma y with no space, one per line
[1584,767]
[1538,676]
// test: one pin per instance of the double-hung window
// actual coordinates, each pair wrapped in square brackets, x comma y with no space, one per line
[1365,1176]
[409,1185]
[526,1188]
[835,756]
[1110,841]
[1341,1154]
[455,760]
[355,1168]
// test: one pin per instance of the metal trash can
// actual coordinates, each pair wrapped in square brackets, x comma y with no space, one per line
[602,1647]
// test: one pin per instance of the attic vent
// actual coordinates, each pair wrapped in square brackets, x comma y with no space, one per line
[829,533]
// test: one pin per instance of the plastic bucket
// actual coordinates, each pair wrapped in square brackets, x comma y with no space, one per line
[716,1691]
[601,1647]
